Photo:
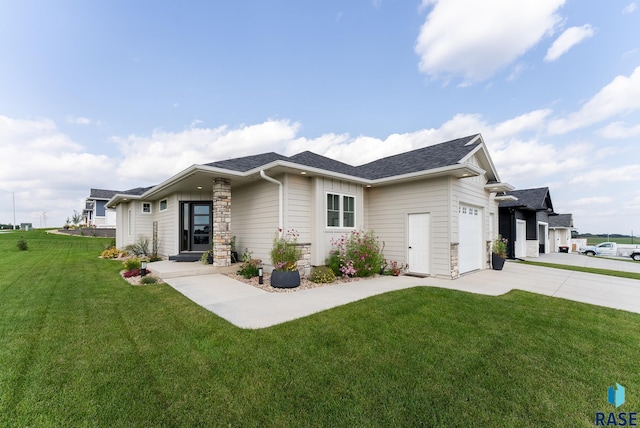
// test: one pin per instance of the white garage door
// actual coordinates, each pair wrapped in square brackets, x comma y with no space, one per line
[470,246]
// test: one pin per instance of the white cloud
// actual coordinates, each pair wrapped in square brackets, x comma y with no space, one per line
[529,162]
[474,39]
[79,120]
[620,96]
[157,157]
[568,39]
[591,200]
[607,174]
[46,170]
[618,130]
[630,8]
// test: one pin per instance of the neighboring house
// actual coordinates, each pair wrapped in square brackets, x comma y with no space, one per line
[560,227]
[434,208]
[524,221]
[95,212]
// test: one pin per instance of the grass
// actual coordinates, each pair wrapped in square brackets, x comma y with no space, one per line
[608,272]
[595,240]
[81,347]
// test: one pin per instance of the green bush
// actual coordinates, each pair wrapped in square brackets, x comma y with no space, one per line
[358,253]
[140,248]
[322,275]
[250,268]
[22,245]
[333,262]
[132,263]
[149,280]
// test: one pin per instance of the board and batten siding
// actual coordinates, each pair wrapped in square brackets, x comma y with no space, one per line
[388,208]
[297,199]
[254,217]
[322,235]
[168,226]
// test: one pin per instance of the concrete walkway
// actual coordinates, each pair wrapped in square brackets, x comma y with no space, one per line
[249,307]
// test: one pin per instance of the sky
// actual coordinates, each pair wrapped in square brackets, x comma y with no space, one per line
[117,94]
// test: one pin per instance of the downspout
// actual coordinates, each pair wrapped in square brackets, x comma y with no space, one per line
[280,199]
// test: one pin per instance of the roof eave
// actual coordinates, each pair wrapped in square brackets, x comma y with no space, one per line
[120,198]
[457,170]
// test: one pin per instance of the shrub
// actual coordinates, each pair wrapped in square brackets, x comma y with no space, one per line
[500,246]
[111,253]
[322,275]
[132,263]
[22,245]
[358,253]
[149,280]
[250,268]
[285,252]
[333,262]
[132,272]
[140,248]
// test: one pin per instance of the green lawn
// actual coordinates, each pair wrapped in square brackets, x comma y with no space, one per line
[80,347]
[595,240]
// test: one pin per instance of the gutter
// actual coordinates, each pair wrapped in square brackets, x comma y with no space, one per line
[280,198]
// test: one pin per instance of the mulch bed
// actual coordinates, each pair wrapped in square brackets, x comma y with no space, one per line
[305,284]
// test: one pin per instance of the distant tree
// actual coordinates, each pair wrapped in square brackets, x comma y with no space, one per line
[77,218]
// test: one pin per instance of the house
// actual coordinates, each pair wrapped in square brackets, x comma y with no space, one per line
[433,208]
[524,221]
[560,232]
[95,212]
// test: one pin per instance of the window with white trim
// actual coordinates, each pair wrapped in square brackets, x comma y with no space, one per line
[146,207]
[162,205]
[341,210]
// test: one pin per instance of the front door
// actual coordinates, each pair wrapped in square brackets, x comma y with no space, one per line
[196,226]
[418,252]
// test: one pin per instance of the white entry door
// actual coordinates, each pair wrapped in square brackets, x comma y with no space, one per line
[470,246]
[520,246]
[418,252]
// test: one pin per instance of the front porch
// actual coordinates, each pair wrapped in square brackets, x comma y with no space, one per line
[172,269]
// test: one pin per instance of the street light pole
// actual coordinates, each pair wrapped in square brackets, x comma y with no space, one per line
[13,200]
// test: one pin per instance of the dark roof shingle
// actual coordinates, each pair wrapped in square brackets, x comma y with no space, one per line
[532,199]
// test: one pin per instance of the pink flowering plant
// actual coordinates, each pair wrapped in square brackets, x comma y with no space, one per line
[356,254]
[285,252]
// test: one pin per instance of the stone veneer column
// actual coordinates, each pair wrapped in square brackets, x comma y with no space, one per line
[455,270]
[221,222]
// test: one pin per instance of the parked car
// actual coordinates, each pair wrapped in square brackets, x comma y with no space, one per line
[612,249]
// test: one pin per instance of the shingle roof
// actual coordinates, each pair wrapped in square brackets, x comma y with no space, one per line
[426,158]
[532,199]
[248,162]
[317,161]
[136,191]
[561,220]
[102,193]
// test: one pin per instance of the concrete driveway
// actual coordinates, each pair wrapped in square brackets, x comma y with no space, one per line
[248,307]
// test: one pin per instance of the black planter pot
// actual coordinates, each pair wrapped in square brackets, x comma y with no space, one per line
[497,262]
[234,257]
[210,258]
[280,279]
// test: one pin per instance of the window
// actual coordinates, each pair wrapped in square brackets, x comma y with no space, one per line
[129,221]
[146,207]
[341,210]
[100,208]
[163,205]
